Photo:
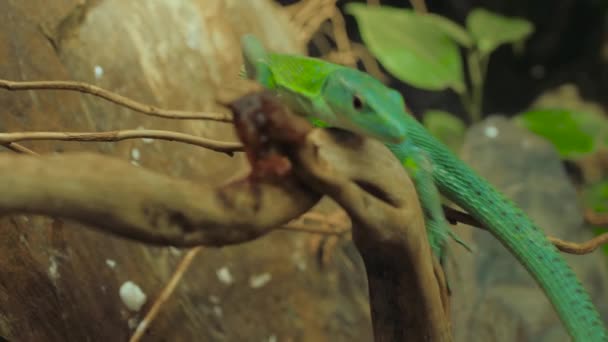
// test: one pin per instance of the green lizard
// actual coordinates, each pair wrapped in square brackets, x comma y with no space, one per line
[342,97]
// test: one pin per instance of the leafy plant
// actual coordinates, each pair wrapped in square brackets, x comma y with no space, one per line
[573,133]
[578,134]
[446,127]
[595,197]
[424,49]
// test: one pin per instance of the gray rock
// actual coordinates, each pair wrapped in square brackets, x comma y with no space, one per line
[494,298]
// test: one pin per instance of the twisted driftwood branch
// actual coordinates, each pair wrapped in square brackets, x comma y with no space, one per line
[111,195]
[136,203]
[407,289]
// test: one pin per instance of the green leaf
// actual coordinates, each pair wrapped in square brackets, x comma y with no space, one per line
[413,48]
[448,27]
[490,30]
[446,127]
[574,134]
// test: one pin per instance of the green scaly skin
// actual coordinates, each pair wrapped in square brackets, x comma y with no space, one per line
[349,99]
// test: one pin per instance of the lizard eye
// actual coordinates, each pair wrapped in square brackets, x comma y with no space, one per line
[357,102]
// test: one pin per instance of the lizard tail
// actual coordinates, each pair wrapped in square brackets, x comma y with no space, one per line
[516,231]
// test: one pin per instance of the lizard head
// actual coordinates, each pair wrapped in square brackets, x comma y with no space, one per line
[364,105]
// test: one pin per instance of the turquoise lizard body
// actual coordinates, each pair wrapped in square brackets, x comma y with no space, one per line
[346,98]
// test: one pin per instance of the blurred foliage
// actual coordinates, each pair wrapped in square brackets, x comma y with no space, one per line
[575,127]
[446,127]
[424,49]
[595,197]
[579,131]
[411,47]
[573,133]
[491,30]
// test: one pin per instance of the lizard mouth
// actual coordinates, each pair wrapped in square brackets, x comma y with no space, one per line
[395,140]
[385,138]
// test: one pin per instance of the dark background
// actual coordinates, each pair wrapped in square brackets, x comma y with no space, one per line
[567,43]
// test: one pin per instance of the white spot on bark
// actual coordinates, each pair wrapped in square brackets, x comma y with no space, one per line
[98,70]
[135,154]
[259,280]
[224,275]
[111,263]
[175,251]
[132,322]
[53,266]
[299,260]
[301,265]
[217,310]
[132,296]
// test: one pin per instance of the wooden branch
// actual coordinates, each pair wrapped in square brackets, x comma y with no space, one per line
[406,300]
[582,247]
[359,174]
[112,136]
[139,204]
[19,148]
[167,291]
[113,97]
[406,297]
[564,246]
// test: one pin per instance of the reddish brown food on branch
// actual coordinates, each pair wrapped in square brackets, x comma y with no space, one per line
[266,127]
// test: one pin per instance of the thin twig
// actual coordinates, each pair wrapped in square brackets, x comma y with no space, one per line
[219,146]
[454,216]
[336,223]
[580,248]
[308,16]
[115,98]
[137,203]
[181,269]
[596,218]
[340,35]
[358,52]
[19,148]
[369,62]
